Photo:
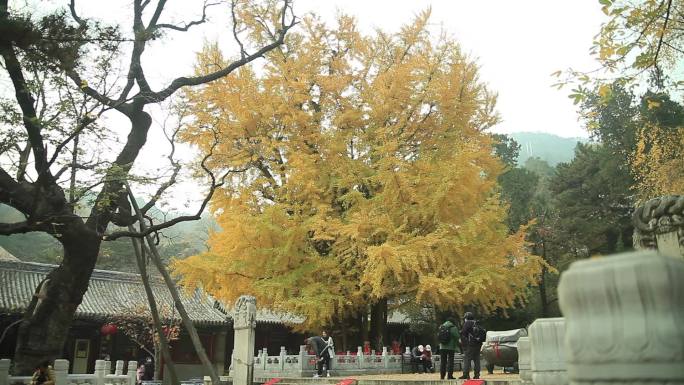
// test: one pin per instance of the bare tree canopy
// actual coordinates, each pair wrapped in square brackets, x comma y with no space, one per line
[57,150]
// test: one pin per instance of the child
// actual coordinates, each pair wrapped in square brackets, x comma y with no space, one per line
[139,374]
[426,357]
[43,375]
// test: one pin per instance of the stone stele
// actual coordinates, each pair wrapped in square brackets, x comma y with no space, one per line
[244,324]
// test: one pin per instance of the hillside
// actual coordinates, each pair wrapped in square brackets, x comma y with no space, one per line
[551,148]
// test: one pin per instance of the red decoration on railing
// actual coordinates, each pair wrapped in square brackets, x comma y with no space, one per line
[108,329]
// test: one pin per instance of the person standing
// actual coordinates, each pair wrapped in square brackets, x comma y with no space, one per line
[320,348]
[448,341]
[471,338]
[148,372]
[329,349]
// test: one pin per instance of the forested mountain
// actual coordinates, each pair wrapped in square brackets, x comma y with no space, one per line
[551,148]
[182,240]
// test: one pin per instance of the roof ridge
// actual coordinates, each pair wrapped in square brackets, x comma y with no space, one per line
[40,267]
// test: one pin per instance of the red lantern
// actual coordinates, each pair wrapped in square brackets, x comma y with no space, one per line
[108,329]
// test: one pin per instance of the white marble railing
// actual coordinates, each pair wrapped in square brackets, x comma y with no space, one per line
[303,363]
[101,376]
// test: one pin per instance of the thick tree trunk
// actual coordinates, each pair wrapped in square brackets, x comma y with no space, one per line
[49,315]
[378,332]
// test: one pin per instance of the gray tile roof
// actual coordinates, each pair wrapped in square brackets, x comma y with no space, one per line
[110,293]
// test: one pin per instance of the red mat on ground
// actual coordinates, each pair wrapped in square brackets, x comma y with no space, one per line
[347,381]
[272,381]
[473,382]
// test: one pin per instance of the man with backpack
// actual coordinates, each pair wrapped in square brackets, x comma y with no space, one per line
[448,341]
[472,337]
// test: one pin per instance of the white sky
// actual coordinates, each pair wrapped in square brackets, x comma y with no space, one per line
[518,44]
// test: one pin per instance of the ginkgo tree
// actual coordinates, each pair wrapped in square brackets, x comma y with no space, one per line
[362,178]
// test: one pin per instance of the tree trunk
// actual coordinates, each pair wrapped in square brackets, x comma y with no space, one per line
[48,317]
[192,332]
[542,294]
[363,326]
[163,344]
[378,332]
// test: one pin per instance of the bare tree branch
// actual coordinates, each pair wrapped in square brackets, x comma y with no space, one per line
[187,25]
[193,81]
[214,185]
[26,103]
[72,8]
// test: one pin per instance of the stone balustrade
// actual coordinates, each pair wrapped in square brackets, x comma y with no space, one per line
[524,365]
[547,357]
[624,319]
[101,376]
[304,364]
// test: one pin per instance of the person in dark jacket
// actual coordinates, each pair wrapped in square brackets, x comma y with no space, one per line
[417,359]
[471,346]
[148,374]
[320,348]
[447,351]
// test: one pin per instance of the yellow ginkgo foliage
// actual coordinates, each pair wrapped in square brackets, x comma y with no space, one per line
[360,175]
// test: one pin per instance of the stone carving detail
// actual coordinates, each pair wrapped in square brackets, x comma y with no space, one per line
[624,319]
[656,217]
[245,313]
[524,360]
[547,358]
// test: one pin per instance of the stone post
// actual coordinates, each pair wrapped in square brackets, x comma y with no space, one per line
[524,360]
[107,367]
[659,224]
[131,372]
[61,369]
[119,367]
[385,358]
[359,355]
[100,371]
[244,324]
[624,317]
[283,353]
[547,359]
[4,371]
[302,359]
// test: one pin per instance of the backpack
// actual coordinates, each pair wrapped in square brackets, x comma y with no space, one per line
[444,334]
[479,334]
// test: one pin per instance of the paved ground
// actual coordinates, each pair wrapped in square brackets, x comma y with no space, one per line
[498,375]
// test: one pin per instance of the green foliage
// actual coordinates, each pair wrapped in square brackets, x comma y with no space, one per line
[518,188]
[594,200]
[507,149]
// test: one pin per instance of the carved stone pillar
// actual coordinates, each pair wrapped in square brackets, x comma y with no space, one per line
[524,365]
[624,319]
[244,324]
[547,358]
[659,224]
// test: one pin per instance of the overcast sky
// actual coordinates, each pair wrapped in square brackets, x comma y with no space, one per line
[518,44]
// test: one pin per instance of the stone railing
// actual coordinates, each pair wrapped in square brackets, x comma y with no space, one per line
[304,364]
[101,376]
